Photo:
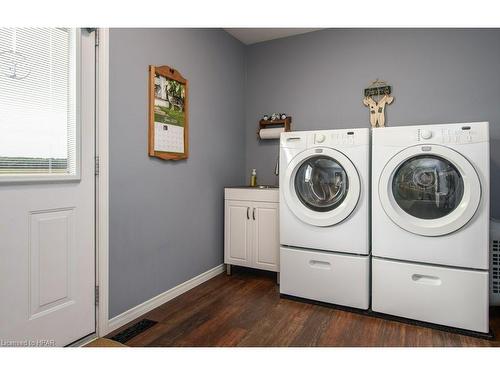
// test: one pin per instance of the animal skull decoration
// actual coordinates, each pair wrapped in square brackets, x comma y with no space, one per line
[377,88]
[377,110]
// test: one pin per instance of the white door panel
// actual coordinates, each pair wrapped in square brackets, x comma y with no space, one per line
[47,251]
[52,248]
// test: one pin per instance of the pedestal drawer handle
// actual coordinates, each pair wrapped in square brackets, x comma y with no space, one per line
[426,279]
[320,264]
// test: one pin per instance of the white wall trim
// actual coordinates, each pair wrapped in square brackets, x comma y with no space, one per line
[162,298]
[84,341]
[102,192]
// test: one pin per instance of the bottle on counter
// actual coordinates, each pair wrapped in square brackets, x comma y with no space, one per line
[253,177]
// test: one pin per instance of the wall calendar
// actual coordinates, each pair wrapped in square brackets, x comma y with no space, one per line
[168,113]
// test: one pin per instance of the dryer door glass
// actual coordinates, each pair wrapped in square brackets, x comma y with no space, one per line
[321,183]
[427,187]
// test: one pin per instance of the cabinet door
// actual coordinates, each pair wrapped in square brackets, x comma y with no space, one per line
[237,233]
[266,244]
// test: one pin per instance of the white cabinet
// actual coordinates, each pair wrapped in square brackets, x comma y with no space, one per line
[251,237]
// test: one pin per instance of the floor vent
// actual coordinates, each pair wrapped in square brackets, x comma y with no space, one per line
[133,330]
[495,262]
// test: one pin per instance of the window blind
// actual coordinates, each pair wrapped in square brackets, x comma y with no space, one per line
[38,101]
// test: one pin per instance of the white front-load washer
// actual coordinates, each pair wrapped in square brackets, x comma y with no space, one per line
[430,223]
[324,215]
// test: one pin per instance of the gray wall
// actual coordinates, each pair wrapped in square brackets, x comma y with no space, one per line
[438,76]
[166,218]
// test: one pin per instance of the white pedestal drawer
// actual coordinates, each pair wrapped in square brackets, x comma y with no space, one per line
[442,295]
[327,277]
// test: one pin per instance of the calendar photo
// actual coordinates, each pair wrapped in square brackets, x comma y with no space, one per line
[169,101]
[169,115]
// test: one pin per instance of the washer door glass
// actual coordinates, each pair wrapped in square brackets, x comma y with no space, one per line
[427,187]
[321,183]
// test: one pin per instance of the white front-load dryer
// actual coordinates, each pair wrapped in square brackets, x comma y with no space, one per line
[430,223]
[324,216]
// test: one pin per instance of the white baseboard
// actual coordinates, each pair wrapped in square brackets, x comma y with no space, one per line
[83,341]
[160,299]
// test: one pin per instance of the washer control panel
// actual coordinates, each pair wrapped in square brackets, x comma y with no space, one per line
[325,138]
[449,135]
[457,136]
[446,134]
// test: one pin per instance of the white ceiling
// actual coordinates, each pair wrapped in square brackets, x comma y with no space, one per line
[257,34]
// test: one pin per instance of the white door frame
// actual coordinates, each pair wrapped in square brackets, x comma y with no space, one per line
[102,184]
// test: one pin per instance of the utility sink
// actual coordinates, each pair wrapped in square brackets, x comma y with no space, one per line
[256,187]
[259,193]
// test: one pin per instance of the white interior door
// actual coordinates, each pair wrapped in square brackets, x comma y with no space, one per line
[47,184]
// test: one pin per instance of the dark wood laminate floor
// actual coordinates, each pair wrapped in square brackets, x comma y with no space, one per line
[245,309]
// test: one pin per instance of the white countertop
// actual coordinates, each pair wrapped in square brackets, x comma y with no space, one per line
[251,193]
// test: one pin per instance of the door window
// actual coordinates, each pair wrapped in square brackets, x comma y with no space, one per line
[321,183]
[38,102]
[427,187]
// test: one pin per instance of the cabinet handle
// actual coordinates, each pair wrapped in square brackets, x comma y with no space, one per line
[320,264]
[253,213]
[248,213]
[426,279]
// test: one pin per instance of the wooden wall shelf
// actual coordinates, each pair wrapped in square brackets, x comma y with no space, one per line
[286,123]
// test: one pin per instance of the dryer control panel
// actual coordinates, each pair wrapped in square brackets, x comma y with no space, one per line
[461,135]
[451,134]
[458,136]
